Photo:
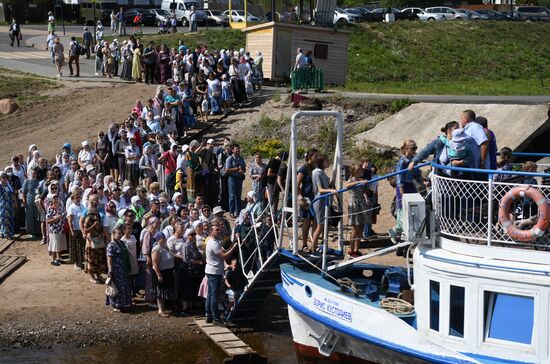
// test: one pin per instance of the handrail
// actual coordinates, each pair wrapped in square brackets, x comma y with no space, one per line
[386,176]
[489,171]
[528,154]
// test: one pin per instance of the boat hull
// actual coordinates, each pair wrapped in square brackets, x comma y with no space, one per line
[348,350]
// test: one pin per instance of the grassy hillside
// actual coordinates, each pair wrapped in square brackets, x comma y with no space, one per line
[449,57]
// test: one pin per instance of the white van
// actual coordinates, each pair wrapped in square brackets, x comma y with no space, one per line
[183,8]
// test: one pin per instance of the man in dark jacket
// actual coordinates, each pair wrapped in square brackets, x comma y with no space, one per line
[15,32]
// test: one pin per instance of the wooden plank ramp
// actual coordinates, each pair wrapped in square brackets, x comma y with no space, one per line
[5,244]
[237,350]
[8,264]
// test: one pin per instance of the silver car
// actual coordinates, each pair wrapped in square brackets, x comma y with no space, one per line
[447,12]
[423,15]
[472,14]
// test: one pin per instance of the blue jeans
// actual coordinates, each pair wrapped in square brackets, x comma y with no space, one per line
[214,289]
[235,187]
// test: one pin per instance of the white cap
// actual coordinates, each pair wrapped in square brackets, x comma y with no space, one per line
[126,189]
[134,200]
[210,141]
[84,143]
[89,167]
[218,210]
[184,148]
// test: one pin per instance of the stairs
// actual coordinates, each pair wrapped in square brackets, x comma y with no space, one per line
[260,287]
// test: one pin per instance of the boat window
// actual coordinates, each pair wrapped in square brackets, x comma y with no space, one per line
[434,305]
[509,317]
[456,312]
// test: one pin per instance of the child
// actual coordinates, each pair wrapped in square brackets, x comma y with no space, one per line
[226,94]
[235,282]
[204,109]
[176,73]
[457,148]
[248,84]
[529,167]
[503,164]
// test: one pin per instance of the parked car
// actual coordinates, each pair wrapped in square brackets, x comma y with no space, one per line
[423,15]
[532,13]
[160,14]
[215,17]
[147,18]
[447,12]
[183,10]
[237,16]
[380,12]
[493,14]
[472,15]
[362,14]
[342,17]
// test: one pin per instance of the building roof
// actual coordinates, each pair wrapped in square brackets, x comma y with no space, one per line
[291,26]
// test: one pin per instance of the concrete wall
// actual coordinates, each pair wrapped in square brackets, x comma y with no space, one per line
[513,125]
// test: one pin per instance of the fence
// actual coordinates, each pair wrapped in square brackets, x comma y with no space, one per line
[468,209]
[307,78]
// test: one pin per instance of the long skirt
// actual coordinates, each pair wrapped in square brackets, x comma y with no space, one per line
[122,284]
[160,177]
[96,261]
[188,286]
[164,290]
[122,167]
[77,247]
[57,243]
[132,173]
[191,185]
[126,73]
[214,105]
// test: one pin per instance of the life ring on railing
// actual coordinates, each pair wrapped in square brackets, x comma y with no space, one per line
[506,205]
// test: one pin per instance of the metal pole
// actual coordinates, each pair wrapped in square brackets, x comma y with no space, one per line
[325,234]
[285,199]
[294,170]
[95,23]
[338,160]
[490,211]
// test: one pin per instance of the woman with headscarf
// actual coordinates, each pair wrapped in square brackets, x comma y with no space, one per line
[177,200]
[108,60]
[77,243]
[118,262]
[148,164]
[258,71]
[132,162]
[163,267]
[147,243]
[127,58]
[55,218]
[30,155]
[214,93]
[7,207]
[193,170]
[29,192]
[136,63]
[92,230]
[192,269]
[102,151]
[33,160]
[87,156]
[164,62]
[110,140]
[120,147]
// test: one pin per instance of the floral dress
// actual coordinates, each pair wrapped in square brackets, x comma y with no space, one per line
[358,206]
[258,185]
[119,274]
[7,211]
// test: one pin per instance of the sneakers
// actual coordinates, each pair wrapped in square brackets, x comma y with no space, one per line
[54,262]
[219,323]
[209,319]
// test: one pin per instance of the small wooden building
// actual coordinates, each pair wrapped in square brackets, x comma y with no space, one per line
[279,42]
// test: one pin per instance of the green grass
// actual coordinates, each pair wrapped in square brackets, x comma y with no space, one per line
[214,39]
[477,58]
[25,88]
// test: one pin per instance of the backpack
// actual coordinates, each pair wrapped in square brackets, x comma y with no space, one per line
[79,50]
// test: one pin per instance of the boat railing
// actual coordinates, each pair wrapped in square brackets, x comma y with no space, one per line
[468,208]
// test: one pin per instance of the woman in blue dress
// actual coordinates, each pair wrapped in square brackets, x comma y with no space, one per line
[214,93]
[32,216]
[187,98]
[7,207]
[118,261]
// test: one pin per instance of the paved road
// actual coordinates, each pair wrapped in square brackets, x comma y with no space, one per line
[32,56]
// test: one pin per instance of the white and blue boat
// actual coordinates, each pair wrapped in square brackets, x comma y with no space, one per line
[474,286]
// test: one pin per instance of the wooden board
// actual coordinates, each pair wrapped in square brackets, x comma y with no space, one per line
[5,244]
[233,347]
[8,264]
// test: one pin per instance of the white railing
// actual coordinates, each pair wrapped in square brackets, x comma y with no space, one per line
[468,210]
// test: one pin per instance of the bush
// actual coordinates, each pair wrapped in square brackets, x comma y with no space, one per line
[384,161]
[400,104]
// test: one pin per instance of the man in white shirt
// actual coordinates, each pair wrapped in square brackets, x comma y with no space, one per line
[50,43]
[300,59]
[478,134]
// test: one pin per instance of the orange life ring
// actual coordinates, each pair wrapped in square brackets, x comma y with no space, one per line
[506,205]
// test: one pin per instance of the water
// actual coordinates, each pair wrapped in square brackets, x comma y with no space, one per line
[278,348]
